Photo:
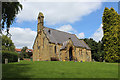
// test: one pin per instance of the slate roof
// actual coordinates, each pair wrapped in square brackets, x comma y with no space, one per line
[56,36]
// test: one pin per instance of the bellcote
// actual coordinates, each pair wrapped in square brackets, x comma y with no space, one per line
[40,25]
[41,18]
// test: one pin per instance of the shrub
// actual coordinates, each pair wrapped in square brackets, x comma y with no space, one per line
[21,56]
[11,56]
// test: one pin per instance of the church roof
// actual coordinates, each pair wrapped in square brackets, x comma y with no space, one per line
[56,36]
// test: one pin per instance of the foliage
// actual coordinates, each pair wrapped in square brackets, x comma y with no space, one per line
[11,56]
[24,49]
[21,56]
[9,12]
[7,44]
[29,54]
[100,51]
[96,49]
[111,39]
[23,53]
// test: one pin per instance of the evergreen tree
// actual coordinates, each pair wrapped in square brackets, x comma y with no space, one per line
[111,23]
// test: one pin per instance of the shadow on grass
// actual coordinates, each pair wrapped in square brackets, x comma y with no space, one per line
[22,72]
[119,71]
[15,71]
[21,64]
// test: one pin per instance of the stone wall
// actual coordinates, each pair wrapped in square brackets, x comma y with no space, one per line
[44,51]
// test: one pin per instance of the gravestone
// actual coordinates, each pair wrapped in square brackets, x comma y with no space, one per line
[103,60]
[94,60]
[18,59]
[37,59]
[6,60]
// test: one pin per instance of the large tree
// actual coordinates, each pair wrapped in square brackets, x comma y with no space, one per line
[100,51]
[7,44]
[96,49]
[9,12]
[111,38]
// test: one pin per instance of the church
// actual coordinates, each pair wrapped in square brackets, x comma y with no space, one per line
[55,45]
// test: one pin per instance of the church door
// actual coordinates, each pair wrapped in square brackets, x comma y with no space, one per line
[70,54]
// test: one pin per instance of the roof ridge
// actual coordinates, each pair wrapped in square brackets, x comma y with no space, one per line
[61,37]
[60,31]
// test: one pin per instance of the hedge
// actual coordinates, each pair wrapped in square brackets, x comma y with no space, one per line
[11,56]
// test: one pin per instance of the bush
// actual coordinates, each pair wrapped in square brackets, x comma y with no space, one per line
[11,56]
[21,56]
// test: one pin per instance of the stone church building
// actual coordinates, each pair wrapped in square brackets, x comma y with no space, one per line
[51,44]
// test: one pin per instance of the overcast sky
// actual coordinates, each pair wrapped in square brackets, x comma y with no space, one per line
[81,18]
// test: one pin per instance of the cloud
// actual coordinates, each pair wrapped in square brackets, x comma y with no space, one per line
[22,37]
[69,0]
[97,36]
[25,36]
[57,13]
[81,35]
[66,28]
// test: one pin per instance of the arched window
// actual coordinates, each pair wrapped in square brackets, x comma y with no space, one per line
[55,49]
[43,42]
[37,43]
[81,51]
[86,53]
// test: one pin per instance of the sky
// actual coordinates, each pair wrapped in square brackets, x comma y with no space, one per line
[84,19]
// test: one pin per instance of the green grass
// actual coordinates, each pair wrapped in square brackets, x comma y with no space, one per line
[58,69]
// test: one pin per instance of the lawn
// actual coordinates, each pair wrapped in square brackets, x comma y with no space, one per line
[59,69]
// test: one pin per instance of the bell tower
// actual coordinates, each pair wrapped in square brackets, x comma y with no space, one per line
[40,22]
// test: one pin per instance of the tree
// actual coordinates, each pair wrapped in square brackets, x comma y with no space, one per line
[96,49]
[23,53]
[100,51]
[24,49]
[7,44]
[93,45]
[111,38]
[9,12]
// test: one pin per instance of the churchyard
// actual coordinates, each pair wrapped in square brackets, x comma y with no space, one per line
[59,69]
